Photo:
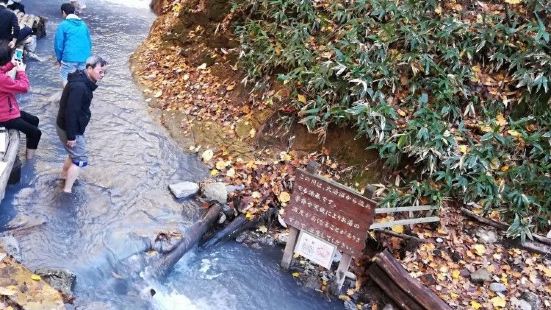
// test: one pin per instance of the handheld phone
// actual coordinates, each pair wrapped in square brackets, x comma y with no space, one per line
[18,55]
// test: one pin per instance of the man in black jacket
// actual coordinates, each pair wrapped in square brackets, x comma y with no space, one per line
[9,26]
[74,115]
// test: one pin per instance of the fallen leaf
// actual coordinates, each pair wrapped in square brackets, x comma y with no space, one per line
[475,305]
[455,274]
[262,229]
[498,302]
[230,173]
[36,277]
[301,98]
[284,197]
[214,172]
[479,249]
[399,229]
[207,155]
[296,274]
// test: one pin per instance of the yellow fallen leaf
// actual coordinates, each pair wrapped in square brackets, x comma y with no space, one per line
[475,305]
[479,249]
[252,133]
[399,229]
[262,229]
[498,302]
[230,87]
[284,156]
[513,133]
[401,112]
[249,216]
[301,98]
[158,94]
[36,277]
[221,165]
[214,172]
[284,197]
[463,148]
[438,10]
[207,155]
[513,1]
[296,274]
[500,120]
[455,274]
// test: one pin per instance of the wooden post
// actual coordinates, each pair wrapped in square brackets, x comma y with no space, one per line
[341,274]
[289,248]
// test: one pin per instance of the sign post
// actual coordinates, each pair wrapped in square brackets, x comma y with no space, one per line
[329,211]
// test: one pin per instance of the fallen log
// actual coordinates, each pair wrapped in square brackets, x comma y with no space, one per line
[238,225]
[161,266]
[503,226]
[396,282]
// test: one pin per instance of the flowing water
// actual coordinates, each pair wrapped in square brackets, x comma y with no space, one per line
[123,193]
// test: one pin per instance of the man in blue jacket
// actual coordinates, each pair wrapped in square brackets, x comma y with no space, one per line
[72,42]
[74,114]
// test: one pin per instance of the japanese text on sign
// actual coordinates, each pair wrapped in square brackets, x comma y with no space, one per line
[330,211]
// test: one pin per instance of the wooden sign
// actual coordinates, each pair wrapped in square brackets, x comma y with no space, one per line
[318,251]
[330,211]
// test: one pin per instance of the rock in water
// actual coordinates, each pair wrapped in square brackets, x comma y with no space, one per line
[62,280]
[184,189]
[215,191]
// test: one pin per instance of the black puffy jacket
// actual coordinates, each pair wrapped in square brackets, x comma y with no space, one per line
[74,106]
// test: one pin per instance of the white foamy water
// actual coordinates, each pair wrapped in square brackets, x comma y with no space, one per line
[139,4]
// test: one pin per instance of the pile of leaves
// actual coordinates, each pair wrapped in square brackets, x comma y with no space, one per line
[458,88]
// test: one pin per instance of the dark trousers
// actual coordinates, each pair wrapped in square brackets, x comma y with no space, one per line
[27,124]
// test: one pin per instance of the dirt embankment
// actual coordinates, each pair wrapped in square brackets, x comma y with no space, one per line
[188,69]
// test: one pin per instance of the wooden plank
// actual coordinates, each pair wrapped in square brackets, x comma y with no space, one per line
[405,222]
[401,298]
[413,287]
[9,158]
[289,248]
[341,273]
[404,209]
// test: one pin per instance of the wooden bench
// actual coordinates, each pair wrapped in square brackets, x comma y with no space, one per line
[8,160]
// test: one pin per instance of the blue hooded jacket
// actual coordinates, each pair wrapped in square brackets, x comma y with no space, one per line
[72,42]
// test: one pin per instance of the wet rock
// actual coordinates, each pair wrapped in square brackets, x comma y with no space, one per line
[486,236]
[256,246]
[350,305]
[533,299]
[11,246]
[241,238]
[480,276]
[234,188]
[350,275]
[184,189]
[520,304]
[464,273]
[313,282]
[60,279]
[498,287]
[215,191]
[281,238]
